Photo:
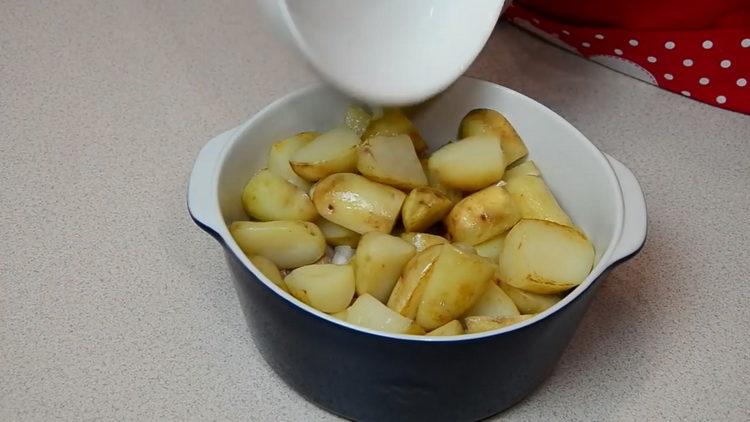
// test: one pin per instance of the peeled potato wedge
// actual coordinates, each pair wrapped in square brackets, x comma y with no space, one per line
[269,197]
[453,328]
[337,235]
[491,122]
[456,281]
[482,216]
[332,152]
[327,287]
[407,293]
[280,154]
[288,244]
[269,269]
[528,302]
[526,168]
[391,160]
[424,207]
[545,257]
[533,197]
[454,195]
[369,312]
[422,241]
[493,303]
[478,324]
[393,122]
[354,202]
[357,119]
[491,248]
[378,263]
[470,164]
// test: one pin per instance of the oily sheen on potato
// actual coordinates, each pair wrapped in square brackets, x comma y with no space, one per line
[357,203]
[545,257]
[362,223]
[533,197]
[490,122]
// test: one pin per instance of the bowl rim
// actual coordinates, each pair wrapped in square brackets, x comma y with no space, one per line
[604,263]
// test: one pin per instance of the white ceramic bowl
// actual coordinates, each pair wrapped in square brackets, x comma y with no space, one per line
[327,360]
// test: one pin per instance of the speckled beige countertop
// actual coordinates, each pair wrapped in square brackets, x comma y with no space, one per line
[115,306]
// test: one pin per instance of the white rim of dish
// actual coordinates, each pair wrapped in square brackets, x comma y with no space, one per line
[602,265]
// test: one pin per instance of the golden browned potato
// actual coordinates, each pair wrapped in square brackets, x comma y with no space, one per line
[407,293]
[478,324]
[327,287]
[454,195]
[424,207]
[288,244]
[526,168]
[378,263]
[280,154]
[533,197]
[391,160]
[494,303]
[369,312]
[468,165]
[482,216]
[268,197]
[491,248]
[453,328]
[357,119]
[269,269]
[337,235]
[332,152]
[545,257]
[490,122]
[422,241]
[456,281]
[393,122]
[528,302]
[361,205]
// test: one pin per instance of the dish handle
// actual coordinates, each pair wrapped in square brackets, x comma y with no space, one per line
[202,193]
[636,220]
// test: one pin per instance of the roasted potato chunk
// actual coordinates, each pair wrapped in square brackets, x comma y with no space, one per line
[528,302]
[545,257]
[478,324]
[491,122]
[393,122]
[493,303]
[358,204]
[281,153]
[337,235]
[378,263]
[357,119]
[453,328]
[269,197]
[470,164]
[456,282]
[391,160]
[422,241]
[288,244]
[454,195]
[424,207]
[533,197]
[482,216]
[407,293]
[491,248]
[325,287]
[369,312]
[269,269]
[332,152]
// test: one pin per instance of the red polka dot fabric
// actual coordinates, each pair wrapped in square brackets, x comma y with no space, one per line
[709,65]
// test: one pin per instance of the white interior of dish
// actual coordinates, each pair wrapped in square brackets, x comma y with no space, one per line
[577,172]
